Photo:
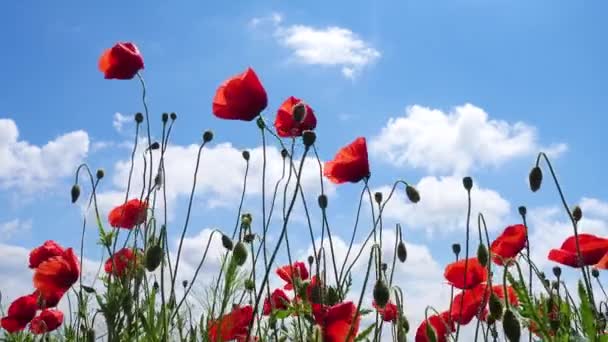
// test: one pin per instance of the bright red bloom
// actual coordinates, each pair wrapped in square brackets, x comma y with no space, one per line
[47,321]
[388,313]
[278,301]
[592,248]
[121,62]
[287,273]
[48,250]
[350,164]
[128,215]
[474,302]
[20,313]
[48,300]
[121,262]
[442,325]
[231,326]
[476,273]
[336,321]
[500,292]
[508,244]
[286,125]
[241,97]
[57,274]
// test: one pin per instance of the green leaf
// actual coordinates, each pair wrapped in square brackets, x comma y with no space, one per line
[281,314]
[586,312]
[88,289]
[363,335]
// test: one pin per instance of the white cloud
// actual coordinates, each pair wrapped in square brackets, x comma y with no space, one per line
[14,227]
[454,142]
[30,167]
[120,120]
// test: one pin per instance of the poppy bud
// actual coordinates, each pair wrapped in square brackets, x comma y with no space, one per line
[75,192]
[309,137]
[456,249]
[139,118]
[246,155]
[577,213]
[495,306]
[154,256]
[239,254]
[535,178]
[468,183]
[165,117]
[249,238]
[557,271]
[173,116]
[482,254]
[100,173]
[322,201]
[430,332]
[284,153]
[260,122]
[511,327]
[595,273]
[298,112]
[381,293]
[227,242]
[185,283]
[412,194]
[249,285]
[384,267]
[522,210]
[246,219]
[207,136]
[311,259]
[155,146]
[378,197]
[401,251]
[155,286]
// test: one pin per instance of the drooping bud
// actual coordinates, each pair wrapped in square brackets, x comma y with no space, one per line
[495,306]
[284,153]
[309,137]
[173,116]
[511,327]
[412,194]
[239,254]
[381,293]
[185,283]
[577,213]
[522,210]
[311,259]
[100,173]
[155,286]
[75,192]
[207,136]
[401,251]
[378,197]
[139,118]
[227,242]
[246,155]
[249,238]
[535,178]
[153,258]
[467,182]
[456,249]
[322,201]
[154,146]
[482,254]
[298,112]
[165,117]
[595,273]
[557,271]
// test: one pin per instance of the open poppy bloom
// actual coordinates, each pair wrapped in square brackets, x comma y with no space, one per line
[592,249]
[47,321]
[128,215]
[57,274]
[508,244]
[241,97]
[278,301]
[442,325]
[336,321]
[475,300]
[350,164]
[121,62]
[388,313]
[476,273]
[48,250]
[231,326]
[20,313]
[289,273]
[121,262]
[285,123]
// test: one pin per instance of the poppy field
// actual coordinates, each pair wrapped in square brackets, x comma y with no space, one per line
[497,292]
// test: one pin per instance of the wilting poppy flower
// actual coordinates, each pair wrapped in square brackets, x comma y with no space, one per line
[285,123]
[508,244]
[475,300]
[476,273]
[57,274]
[128,215]
[48,250]
[442,325]
[388,313]
[20,313]
[241,97]
[350,163]
[121,62]
[336,321]
[278,301]
[287,273]
[231,326]
[592,248]
[121,262]
[47,321]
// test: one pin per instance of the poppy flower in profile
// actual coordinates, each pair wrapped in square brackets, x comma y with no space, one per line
[442,325]
[121,62]
[231,326]
[48,300]
[388,313]
[289,273]
[592,248]
[128,215]
[121,262]
[57,274]
[278,301]
[48,250]
[350,164]
[475,275]
[336,322]
[241,97]
[508,244]
[20,313]
[47,321]
[287,125]
[474,301]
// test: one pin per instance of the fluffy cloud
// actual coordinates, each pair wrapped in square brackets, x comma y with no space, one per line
[28,167]
[120,120]
[454,142]
[14,227]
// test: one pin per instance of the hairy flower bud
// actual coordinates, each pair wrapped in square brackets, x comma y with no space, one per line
[522,210]
[165,117]
[173,116]
[535,178]
[322,201]
[456,249]
[557,271]
[412,194]
[401,251]
[239,254]
[381,293]
[139,118]
[100,173]
[154,146]
[378,197]
[284,153]
[309,137]
[467,182]
[246,155]
[153,257]
[482,254]
[208,136]
[577,213]
[227,242]
[595,273]
[75,192]
[511,326]
[311,259]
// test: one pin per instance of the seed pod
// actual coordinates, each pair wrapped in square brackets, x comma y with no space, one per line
[381,293]
[322,201]
[456,248]
[173,116]
[239,254]
[495,306]
[246,155]
[309,137]
[511,326]
[412,194]
[467,182]
[207,136]
[100,173]
[154,256]
[227,242]
[577,213]
[535,178]
[557,271]
[154,146]
[165,117]
[75,192]
[595,273]
[184,283]
[522,210]
[311,259]
[139,118]
[378,197]
[401,251]
[284,153]
[482,254]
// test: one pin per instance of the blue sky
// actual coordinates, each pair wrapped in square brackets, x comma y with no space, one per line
[539,64]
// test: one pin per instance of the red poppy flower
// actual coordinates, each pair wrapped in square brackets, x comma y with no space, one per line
[47,321]
[20,313]
[128,215]
[473,303]
[278,301]
[287,273]
[48,300]
[286,125]
[48,250]
[231,326]
[442,325]
[121,262]
[121,62]
[350,163]
[336,321]
[476,273]
[508,244]
[57,274]
[592,248]
[388,313]
[241,97]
